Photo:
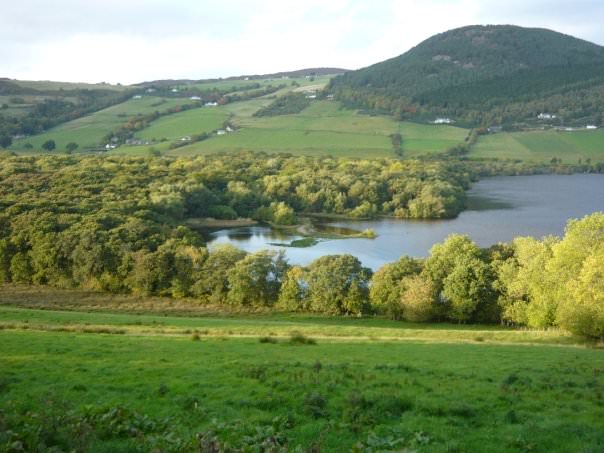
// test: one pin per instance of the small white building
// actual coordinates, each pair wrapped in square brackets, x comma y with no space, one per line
[109,146]
[546,116]
[211,104]
[220,132]
[443,121]
[591,127]
[229,129]
[195,98]
[137,96]
[174,90]
[150,90]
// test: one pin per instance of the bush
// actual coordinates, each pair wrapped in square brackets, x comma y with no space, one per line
[315,405]
[299,338]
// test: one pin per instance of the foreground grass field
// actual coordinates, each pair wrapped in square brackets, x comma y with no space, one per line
[542,146]
[102,381]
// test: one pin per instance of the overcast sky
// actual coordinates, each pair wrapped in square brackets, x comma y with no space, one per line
[130,41]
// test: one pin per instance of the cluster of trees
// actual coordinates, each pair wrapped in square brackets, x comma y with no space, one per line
[245,185]
[539,284]
[285,105]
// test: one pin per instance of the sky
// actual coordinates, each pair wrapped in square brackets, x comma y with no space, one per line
[129,41]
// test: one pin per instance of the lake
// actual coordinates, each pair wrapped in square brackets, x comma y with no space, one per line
[500,208]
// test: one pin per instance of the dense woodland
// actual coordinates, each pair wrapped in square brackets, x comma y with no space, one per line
[484,76]
[117,224]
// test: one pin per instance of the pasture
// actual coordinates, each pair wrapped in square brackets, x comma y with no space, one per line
[324,128]
[321,129]
[187,123]
[107,381]
[88,131]
[424,139]
[542,146]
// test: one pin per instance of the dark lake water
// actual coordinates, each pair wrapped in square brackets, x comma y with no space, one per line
[501,208]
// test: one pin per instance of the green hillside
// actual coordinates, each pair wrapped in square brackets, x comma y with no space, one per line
[542,146]
[178,125]
[323,128]
[485,74]
[88,131]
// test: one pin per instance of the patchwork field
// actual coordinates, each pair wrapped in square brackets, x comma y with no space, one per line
[89,130]
[321,129]
[140,382]
[541,146]
[324,128]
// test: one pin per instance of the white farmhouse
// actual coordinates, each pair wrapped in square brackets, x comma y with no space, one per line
[195,98]
[211,104]
[546,116]
[591,127]
[443,121]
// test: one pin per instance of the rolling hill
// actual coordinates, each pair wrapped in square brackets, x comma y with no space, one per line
[497,74]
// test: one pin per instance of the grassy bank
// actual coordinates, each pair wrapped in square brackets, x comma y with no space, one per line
[93,391]
[45,309]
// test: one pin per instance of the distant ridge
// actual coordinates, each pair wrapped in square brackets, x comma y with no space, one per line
[484,74]
[276,75]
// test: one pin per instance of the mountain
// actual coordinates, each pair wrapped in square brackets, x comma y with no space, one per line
[484,74]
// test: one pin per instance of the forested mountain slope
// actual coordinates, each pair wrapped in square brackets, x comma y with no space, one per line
[485,74]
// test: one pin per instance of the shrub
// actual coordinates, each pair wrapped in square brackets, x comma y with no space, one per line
[299,338]
[315,404]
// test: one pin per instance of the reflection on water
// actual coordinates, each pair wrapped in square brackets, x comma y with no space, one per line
[501,209]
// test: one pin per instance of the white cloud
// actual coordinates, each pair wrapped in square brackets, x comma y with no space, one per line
[134,40]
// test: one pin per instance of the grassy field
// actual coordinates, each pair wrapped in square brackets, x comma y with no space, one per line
[321,129]
[542,146]
[422,139]
[190,122]
[92,380]
[89,130]
[324,128]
